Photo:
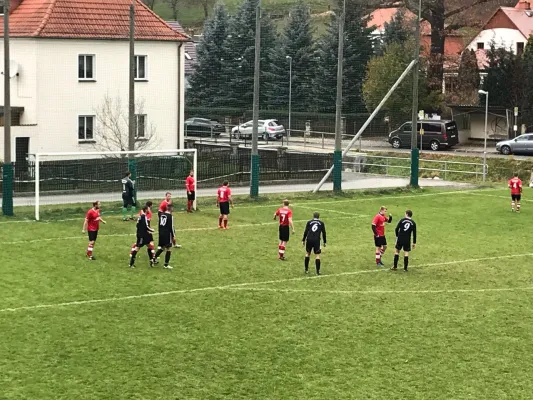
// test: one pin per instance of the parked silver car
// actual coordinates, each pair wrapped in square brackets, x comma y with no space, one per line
[268,129]
[522,144]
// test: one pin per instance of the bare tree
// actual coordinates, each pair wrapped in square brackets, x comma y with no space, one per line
[111,128]
[173,4]
[206,4]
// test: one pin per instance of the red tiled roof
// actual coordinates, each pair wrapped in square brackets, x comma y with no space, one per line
[522,19]
[87,19]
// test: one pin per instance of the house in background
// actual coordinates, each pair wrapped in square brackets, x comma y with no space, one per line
[70,55]
[190,52]
[509,27]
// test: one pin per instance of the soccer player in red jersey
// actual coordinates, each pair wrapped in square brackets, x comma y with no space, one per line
[285,221]
[164,204]
[223,202]
[190,186]
[378,227]
[91,225]
[515,184]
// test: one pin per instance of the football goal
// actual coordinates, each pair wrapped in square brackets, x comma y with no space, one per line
[84,177]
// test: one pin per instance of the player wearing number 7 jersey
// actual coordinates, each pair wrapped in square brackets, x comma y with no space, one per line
[515,184]
[285,221]
[406,226]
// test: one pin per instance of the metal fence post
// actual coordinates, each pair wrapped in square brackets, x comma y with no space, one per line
[445,170]
[322,139]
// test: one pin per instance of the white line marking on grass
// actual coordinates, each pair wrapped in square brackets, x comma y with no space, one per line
[335,211]
[500,197]
[244,284]
[210,228]
[429,291]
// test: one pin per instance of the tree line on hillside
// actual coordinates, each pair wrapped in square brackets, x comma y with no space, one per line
[223,75]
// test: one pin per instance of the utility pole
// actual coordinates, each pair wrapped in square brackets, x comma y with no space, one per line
[337,155]
[131,100]
[7,170]
[415,154]
[254,176]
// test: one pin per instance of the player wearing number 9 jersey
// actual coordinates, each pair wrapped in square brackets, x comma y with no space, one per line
[313,230]
[285,222]
[515,184]
[405,228]
[224,201]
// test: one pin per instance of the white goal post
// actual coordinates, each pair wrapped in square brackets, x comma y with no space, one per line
[83,177]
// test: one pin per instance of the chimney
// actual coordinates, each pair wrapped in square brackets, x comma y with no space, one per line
[13,4]
[524,5]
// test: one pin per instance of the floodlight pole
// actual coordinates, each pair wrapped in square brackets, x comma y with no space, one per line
[484,92]
[290,96]
[7,170]
[415,154]
[254,176]
[131,100]
[337,155]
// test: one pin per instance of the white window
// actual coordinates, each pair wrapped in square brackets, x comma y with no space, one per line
[86,128]
[140,68]
[480,45]
[140,126]
[86,67]
[2,9]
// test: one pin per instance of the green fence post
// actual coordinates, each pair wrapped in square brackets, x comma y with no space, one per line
[7,190]
[337,170]
[254,184]
[415,158]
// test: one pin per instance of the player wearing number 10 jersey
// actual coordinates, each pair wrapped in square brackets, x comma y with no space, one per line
[405,228]
[285,222]
[515,184]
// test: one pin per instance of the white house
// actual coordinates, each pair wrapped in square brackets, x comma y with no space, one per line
[509,27]
[70,58]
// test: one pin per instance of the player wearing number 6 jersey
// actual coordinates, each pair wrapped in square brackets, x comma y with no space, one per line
[515,184]
[405,228]
[285,221]
[313,229]
[224,201]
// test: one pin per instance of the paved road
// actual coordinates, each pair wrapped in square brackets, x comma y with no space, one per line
[352,181]
[373,144]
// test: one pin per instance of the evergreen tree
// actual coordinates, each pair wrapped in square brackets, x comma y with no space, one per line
[240,46]
[468,80]
[358,49]
[505,78]
[297,43]
[207,86]
[397,30]
[527,103]
[382,73]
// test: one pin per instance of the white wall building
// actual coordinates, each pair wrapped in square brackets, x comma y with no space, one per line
[69,58]
[508,28]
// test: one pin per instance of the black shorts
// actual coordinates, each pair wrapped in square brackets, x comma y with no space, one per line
[284,233]
[127,201]
[404,245]
[314,246]
[165,241]
[144,240]
[224,208]
[516,197]
[380,241]
[93,235]
[191,196]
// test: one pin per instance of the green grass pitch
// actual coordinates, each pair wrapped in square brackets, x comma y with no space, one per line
[232,322]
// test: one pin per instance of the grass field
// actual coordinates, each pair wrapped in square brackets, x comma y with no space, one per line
[232,322]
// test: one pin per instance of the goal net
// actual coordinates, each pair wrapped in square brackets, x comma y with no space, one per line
[70,181]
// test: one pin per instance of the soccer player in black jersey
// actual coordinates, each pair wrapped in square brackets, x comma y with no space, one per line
[166,235]
[405,228]
[128,196]
[144,237]
[313,229]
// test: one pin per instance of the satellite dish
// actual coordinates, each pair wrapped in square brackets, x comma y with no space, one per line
[13,68]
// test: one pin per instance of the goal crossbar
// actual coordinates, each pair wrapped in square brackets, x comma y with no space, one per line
[40,156]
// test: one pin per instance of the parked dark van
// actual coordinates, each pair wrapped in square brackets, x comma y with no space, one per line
[438,134]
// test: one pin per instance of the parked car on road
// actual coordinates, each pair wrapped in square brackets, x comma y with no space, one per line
[202,127]
[268,129]
[522,144]
[438,134]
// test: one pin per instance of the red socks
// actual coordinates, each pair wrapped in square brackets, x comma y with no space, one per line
[281,250]
[90,250]
[225,223]
[189,205]
[220,222]
[378,257]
